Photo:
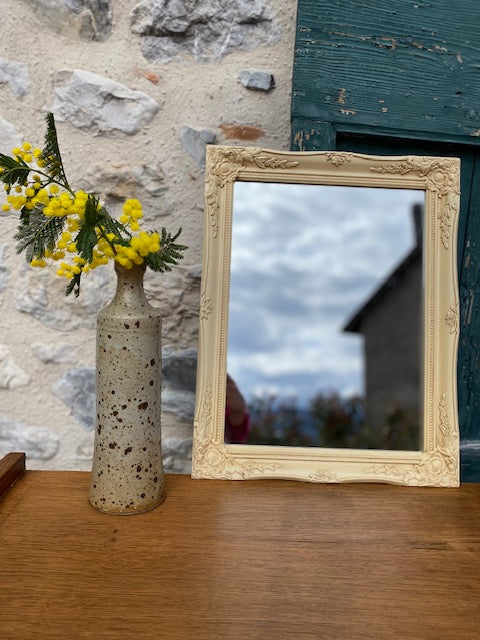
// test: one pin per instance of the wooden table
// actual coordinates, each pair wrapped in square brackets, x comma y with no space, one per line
[240,560]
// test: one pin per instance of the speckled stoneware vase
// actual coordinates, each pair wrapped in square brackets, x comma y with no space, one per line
[127,473]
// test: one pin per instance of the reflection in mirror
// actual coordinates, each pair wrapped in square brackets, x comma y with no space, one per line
[329,321]
[325,316]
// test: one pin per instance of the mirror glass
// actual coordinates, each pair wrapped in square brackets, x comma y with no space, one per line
[325,344]
[329,318]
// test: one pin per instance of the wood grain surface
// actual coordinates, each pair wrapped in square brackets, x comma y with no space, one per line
[241,560]
[12,466]
[407,65]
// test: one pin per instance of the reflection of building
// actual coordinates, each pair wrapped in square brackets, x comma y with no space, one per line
[391,324]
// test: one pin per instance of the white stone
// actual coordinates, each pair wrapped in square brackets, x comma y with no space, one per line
[179,403]
[16,76]
[84,449]
[195,143]
[38,443]
[91,101]
[179,368]
[60,353]
[96,17]
[195,272]
[124,180]
[41,293]
[4,271]
[178,387]
[205,30]
[177,455]
[9,136]
[11,375]
[76,388]
[259,80]
[92,18]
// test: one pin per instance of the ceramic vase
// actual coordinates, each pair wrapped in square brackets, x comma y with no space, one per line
[127,472]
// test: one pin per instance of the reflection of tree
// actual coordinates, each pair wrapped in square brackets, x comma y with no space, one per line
[337,420]
[401,429]
[331,421]
[341,422]
[278,422]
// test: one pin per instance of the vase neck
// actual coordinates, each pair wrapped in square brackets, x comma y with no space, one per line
[130,290]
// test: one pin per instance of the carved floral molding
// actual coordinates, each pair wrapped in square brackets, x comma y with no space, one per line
[442,176]
[225,165]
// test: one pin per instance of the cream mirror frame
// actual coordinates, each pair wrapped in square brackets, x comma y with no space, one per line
[437,461]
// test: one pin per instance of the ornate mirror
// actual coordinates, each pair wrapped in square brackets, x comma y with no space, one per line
[328,319]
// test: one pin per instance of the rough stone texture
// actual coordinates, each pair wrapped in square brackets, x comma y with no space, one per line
[84,450]
[177,455]
[4,271]
[179,402]
[178,387]
[15,75]
[122,180]
[152,164]
[195,142]
[11,375]
[60,353]
[37,442]
[9,136]
[204,30]
[91,101]
[178,295]
[41,294]
[94,17]
[179,368]
[76,388]
[259,80]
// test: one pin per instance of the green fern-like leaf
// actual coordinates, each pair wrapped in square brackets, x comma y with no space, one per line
[169,254]
[51,153]
[15,170]
[87,238]
[110,225]
[74,285]
[38,233]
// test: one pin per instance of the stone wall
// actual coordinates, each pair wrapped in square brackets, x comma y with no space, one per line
[138,88]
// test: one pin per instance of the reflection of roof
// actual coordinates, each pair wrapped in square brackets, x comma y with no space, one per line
[391,281]
[354,324]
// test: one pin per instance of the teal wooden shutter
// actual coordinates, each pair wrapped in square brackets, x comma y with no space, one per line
[403,77]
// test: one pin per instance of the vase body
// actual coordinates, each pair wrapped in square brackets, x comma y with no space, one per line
[127,471]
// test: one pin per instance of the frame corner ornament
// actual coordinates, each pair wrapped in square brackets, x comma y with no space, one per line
[441,176]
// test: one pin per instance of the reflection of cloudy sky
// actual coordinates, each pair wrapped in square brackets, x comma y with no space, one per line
[304,259]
